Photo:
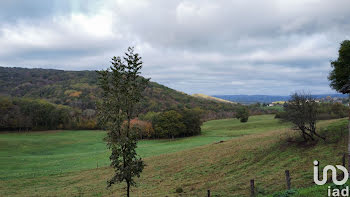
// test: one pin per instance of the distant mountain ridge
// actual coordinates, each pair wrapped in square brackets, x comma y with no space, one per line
[248,99]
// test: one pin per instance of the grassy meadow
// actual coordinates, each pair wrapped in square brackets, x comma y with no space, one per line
[54,152]
[64,163]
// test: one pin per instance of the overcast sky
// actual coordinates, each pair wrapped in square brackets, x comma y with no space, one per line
[211,47]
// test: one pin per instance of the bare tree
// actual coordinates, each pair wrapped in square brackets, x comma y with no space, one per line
[301,110]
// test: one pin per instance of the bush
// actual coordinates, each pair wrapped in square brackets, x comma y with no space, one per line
[281,115]
[244,119]
[179,190]
[243,114]
[286,193]
[335,131]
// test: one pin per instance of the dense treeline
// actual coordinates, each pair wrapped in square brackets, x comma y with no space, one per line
[332,111]
[35,114]
[169,124]
[24,114]
[325,111]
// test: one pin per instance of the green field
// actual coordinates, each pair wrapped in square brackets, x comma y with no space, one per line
[46,153]
[64,162]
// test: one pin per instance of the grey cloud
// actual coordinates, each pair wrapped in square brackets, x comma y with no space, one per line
[211,47]
[15,10]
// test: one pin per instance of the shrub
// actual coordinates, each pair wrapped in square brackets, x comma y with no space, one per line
[179,190]
[281,115]
[243,114]
[286,193]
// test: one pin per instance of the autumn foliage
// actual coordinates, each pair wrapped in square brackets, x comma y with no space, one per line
[144,129]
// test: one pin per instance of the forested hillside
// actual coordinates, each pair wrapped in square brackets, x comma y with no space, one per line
[79,89]
[75,93]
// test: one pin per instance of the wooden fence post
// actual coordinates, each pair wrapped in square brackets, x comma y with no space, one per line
[343,162]
[208,192]
[252,188]
[287,179]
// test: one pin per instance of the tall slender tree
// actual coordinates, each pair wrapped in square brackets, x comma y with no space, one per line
[340,77]
[122,88]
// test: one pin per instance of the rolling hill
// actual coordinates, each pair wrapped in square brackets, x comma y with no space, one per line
[203,96]
[79,89]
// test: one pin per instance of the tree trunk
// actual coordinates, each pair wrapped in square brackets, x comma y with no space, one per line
[320,136]
[128,189]
[304,136]
[128,127]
